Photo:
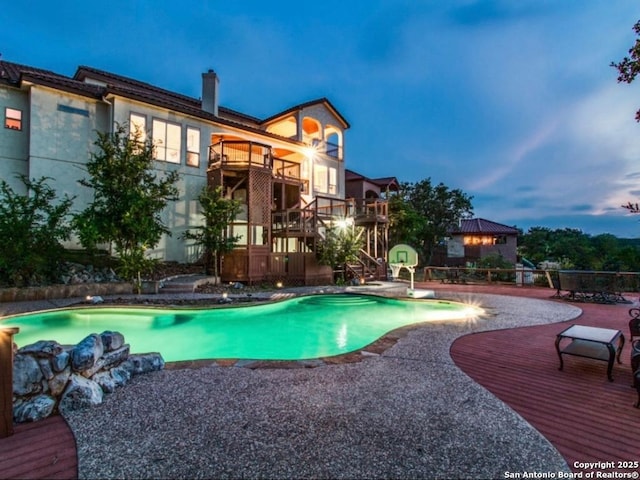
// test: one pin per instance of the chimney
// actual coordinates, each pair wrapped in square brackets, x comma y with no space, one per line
[210,83]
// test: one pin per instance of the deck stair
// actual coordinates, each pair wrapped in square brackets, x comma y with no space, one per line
[309,224]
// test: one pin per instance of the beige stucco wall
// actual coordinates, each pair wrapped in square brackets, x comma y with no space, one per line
[183,214]
[14,144]
[60,142]
[58,135]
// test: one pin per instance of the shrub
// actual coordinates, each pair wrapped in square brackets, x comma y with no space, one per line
[32,227]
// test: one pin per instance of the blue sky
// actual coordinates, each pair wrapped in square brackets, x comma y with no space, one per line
[512,101]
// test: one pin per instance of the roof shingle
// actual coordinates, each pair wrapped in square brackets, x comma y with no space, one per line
[480,225]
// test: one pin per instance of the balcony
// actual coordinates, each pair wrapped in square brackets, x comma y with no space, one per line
[285,169]
[331,149]
[240,155]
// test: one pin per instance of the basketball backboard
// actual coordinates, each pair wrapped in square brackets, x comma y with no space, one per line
[404,255]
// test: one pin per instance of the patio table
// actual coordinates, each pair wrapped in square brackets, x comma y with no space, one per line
[603,344]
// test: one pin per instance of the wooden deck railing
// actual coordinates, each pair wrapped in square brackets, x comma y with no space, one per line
[571,284]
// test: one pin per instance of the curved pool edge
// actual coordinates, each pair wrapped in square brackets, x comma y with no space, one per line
[443,310]
[476,416]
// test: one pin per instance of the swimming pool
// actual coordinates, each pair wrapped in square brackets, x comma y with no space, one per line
[295,329]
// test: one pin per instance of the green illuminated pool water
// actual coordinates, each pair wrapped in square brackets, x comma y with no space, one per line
[295,329]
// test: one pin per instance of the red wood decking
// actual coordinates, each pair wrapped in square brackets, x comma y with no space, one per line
[586,417]
[44,449]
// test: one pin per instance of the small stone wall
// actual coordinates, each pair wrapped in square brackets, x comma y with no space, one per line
[50,378]
[63,291]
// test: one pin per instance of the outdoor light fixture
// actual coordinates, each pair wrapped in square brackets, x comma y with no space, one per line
[310,152]
[225,298]
[344,222]
[278,284]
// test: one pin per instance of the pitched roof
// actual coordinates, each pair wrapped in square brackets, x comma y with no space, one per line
[14,73]
[480,225]
[319,101]
[382,182]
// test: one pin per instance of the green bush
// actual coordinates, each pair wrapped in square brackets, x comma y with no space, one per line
[32,227]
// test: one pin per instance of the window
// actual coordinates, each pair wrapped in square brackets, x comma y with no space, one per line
[320,178]
[137,127]
[12,118]
[333,181]
[325,179]
[193,147]
[485,240]
[166,140]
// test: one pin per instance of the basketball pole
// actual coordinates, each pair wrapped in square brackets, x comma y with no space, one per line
[411,271]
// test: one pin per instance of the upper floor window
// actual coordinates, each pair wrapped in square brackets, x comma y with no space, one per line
[12,118]
[137,127]
[320,179]
[193,147]
[333,181]
[166,140]
[325,179]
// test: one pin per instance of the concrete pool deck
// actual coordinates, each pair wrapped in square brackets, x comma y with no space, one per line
[407,413]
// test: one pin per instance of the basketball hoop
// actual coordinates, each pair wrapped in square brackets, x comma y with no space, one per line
[395,269]
[403,256]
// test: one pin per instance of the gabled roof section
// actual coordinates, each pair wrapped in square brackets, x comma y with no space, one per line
[107,83]
[383,182]
[112,80]
[482,226]
[147,92]
[14,74]
[320,101]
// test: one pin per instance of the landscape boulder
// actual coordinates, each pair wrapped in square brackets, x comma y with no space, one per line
[50,378]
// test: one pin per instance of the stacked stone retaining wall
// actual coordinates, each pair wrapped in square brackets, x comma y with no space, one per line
[50,378]
[63,291]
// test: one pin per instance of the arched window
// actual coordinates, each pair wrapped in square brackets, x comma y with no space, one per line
[333,140]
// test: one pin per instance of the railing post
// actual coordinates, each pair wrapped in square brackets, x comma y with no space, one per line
[6,380]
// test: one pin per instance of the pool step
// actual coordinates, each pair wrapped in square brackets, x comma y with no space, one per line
[337,300]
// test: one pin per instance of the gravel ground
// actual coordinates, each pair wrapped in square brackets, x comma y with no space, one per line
[408,413]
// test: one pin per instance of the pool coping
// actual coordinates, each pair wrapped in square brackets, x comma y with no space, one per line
[463,414]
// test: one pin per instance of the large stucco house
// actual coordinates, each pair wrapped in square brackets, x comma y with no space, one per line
[287,170]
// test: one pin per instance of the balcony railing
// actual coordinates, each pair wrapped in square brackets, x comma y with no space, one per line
[238,154]
[286,169]
[334,150]
[330,149]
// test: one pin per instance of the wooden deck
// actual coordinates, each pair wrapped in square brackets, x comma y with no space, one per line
[586,417]
[44,449]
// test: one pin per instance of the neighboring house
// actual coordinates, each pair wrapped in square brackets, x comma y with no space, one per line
[359,186]
[370,195]
[288,170]
[477,238]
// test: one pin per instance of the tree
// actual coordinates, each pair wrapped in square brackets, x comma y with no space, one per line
[218,213]
[340,247]
[628,69]
[32,227]
[128,200]
[422,214]
[573,249]
[535,245]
